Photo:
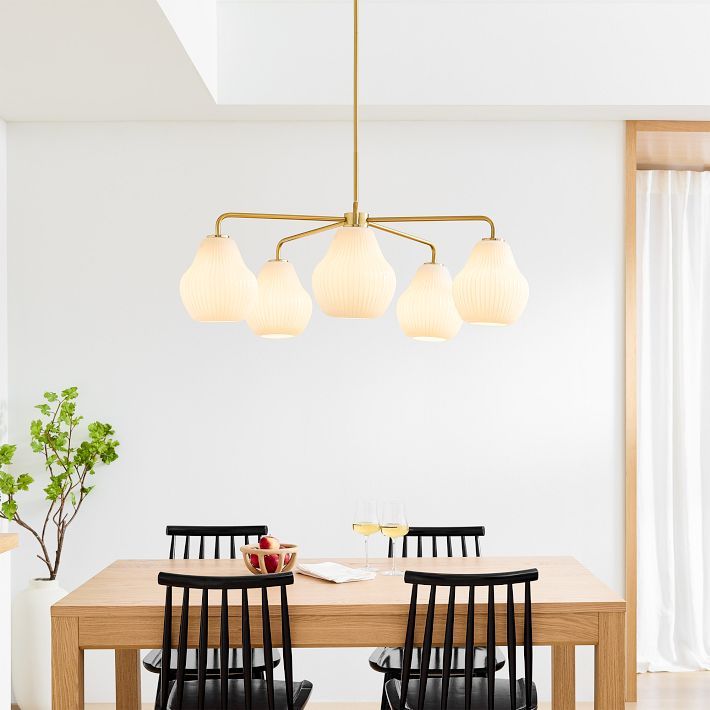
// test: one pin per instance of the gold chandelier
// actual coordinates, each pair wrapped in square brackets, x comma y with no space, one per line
[354,280]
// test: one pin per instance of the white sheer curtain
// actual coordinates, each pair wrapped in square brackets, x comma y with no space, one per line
[673,251]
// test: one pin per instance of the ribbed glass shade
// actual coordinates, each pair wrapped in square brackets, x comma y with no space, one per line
[218,286]
[283,307]
[354,280]
[426,309]
[490,288]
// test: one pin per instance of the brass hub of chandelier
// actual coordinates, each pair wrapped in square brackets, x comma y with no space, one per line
[356,219]
[490,289]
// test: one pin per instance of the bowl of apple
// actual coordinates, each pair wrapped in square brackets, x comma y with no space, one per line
[269,556]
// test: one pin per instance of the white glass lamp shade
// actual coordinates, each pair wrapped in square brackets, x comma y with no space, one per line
[426,309]
[490,288]
[218,287]
[283,307]
[354,280]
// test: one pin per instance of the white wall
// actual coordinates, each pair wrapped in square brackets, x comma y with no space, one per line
[4,559]
[519,429]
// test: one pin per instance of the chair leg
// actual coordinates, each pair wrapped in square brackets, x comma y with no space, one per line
[157,696]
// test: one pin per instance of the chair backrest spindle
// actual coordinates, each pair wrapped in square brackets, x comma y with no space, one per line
[426,648]
[409,645]
[470,648]
[167,647]
[246,648]
[527,646]
[182,647]
[448,649]
[287,655]
[512,646]
[268,648]
[224,649]
[491,647]
[202,653]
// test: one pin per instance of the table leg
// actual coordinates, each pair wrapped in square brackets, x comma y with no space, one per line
[128,679]
[67,664]
[563,677]
[610,663]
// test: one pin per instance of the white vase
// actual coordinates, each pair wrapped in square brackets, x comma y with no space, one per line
[32,644]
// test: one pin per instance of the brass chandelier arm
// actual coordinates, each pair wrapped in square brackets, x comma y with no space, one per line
[261,215]
[300,235]
[441,218]
[397,233]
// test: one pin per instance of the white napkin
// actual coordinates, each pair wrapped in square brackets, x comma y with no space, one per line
[334,572]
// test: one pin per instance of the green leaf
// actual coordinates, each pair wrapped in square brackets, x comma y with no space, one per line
[54,489]
[7,451]
[73,499]
[23,481]
[7,484]
[51,396]
[9,509]
[36,427]
[44,409]
[70,393]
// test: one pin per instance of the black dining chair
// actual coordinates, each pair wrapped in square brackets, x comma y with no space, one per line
[389,660]
[467,692]
[202,542]
[220,693]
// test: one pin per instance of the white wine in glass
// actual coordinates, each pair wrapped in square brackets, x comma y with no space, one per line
[366,523]
[393,524]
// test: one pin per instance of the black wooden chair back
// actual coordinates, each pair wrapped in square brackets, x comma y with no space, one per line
[471,581]
[225,584]
[455,537]
[204,532]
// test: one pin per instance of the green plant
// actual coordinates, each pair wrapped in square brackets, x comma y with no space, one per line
[68,465]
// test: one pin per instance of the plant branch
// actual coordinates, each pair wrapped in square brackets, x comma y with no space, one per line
[45,553]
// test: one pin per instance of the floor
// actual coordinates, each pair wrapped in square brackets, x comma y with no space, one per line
[657,691]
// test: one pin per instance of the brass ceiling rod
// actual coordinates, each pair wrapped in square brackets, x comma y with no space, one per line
[356,72]
[354,218]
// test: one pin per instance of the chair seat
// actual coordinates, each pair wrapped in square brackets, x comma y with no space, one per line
[301,692]
[389,660]
[456,701]
[153,662]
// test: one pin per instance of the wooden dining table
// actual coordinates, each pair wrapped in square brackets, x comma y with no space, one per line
[122,608]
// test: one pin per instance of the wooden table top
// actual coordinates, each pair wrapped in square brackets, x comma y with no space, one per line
[8,541]
[130,586]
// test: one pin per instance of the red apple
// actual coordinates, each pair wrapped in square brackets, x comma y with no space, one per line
[254,559]
[287,559]
[271,562]
[269,543]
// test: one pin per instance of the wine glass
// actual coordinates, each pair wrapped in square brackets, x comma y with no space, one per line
[393,524]
[366,523]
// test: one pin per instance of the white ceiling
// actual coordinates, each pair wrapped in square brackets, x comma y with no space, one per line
[89,60]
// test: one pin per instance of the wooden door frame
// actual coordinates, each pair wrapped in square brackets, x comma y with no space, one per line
[633,128]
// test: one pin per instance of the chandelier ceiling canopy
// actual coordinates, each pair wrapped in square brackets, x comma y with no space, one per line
[354,280]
